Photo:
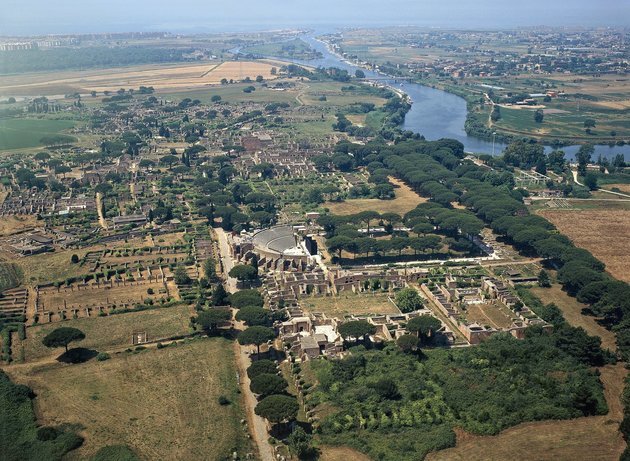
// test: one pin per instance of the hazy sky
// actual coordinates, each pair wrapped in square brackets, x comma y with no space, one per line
[67,16]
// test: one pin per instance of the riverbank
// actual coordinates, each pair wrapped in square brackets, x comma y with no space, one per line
[473,132]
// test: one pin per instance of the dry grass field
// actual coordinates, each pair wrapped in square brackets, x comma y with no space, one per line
[48,267]
[622,187]
[163,403]
[159,77]
[13,224]
[406,200]
[593,438]
[572,311]
[350,303]
[109,332]
[604,232]
[329,453]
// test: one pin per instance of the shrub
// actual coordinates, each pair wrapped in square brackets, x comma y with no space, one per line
[223,400]
[47,433]
[102,356]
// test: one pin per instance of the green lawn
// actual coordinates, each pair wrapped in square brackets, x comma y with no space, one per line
[19,133]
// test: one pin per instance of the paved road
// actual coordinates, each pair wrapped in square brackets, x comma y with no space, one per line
[228,263]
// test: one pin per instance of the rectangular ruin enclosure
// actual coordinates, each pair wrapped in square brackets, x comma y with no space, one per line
[350,303]
[89,299]
[496,315]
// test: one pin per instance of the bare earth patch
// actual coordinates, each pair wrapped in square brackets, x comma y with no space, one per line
[605,233]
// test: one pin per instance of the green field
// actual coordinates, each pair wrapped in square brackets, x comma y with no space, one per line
[566,123]
[19,133]
[296,48]
[233,94]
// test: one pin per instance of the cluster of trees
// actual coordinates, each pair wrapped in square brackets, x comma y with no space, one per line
[392,406]
[426,220]
[408,300]
[36,60]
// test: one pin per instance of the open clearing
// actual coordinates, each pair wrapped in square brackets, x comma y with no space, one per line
[605,233]
[350,303]
[163,403]
[406,200]
[157,76]
[593,438]
[329,453]
[18,133]
[110,332]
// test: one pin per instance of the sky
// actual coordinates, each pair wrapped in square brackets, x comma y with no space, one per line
[39,17]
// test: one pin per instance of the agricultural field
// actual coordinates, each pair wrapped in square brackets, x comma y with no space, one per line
[111,332]
[346,303]
[325,94]
[142,399]
[406,200]
[293,49]
[159,77]
[604,232]
[18,133]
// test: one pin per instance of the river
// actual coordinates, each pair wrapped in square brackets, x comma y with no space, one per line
[436,113]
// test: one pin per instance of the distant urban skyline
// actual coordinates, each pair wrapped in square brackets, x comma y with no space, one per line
[33,17]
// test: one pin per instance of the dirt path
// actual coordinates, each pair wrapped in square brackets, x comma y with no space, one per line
[224,253]
[99,210]
[257,425]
